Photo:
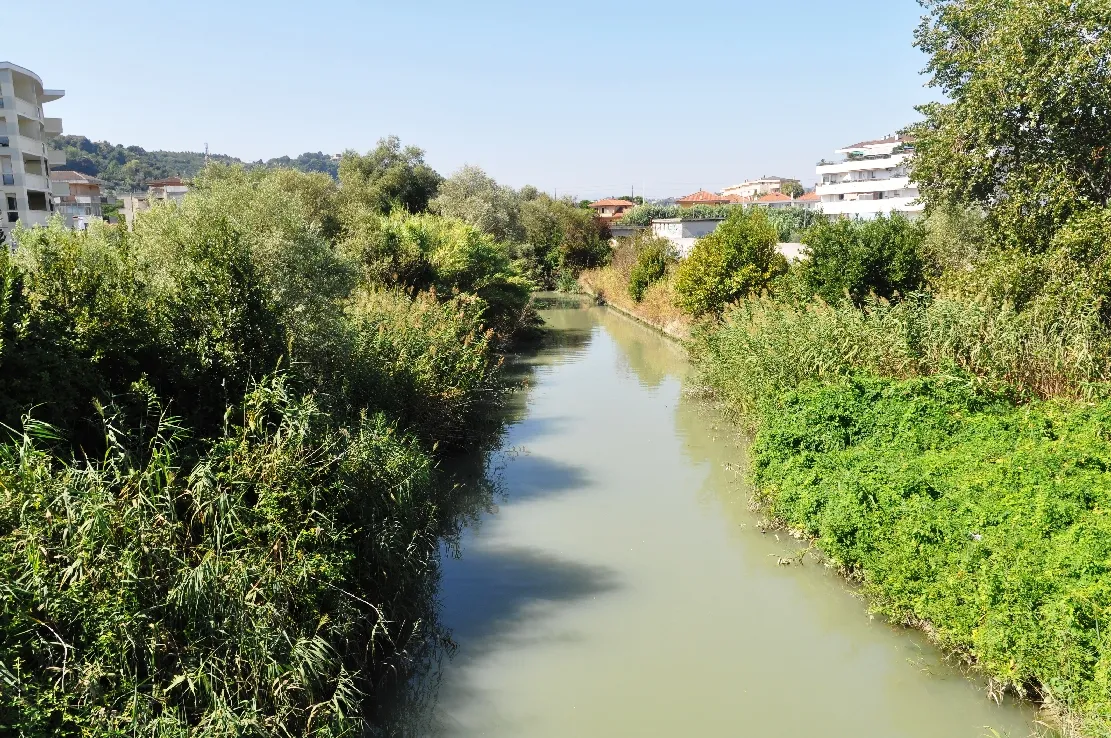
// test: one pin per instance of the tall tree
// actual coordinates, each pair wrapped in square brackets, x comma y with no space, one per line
[1027,129]
[473,196]
[389,178]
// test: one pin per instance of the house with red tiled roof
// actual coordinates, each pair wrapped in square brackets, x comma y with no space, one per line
[702,197]
[775,200]
[610,209]
[757,187]
[809,201]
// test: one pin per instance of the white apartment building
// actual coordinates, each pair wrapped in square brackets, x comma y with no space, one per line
[25,156]
[870,181]
[757,187]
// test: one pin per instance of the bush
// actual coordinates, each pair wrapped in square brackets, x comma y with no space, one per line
[792,223]
[764,348]
[264,588]
[652,261]
[856,258]
[737,259]
[957,509]
[429,252]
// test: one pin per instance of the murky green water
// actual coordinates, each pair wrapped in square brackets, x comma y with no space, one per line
[621,586]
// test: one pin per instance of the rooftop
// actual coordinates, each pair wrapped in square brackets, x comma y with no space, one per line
[774,197]
[610,203]
[168,182]
[69,177]
[704,197]
[811,196]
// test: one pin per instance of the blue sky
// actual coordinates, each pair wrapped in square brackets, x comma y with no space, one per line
[587,98]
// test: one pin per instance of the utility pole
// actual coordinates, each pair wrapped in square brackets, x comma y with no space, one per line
[206,152]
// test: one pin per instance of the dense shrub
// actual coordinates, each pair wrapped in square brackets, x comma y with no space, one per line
[424,252]
[652,260]
[186,550]
[737,259]
[792,223]
[262,589]
[958,509]
[765,347]
[856,258]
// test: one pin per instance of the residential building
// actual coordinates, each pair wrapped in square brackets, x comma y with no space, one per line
[809,201]
[683,233]
[871,180]
[774,201]
[25,155]
[755,187]
[172,189]
[83,204]
[610,209]
[702,197]
[167,189]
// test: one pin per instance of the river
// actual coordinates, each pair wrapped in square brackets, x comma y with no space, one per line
[620,586]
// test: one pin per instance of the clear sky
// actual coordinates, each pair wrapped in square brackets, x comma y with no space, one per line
[589,98]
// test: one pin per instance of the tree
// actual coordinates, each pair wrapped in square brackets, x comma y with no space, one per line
[472,196]
[884,256]
[1027,129]
[737,259]
[388,178]
[560,236]
[791,188]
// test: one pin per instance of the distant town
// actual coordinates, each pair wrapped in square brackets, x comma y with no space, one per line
[870,179]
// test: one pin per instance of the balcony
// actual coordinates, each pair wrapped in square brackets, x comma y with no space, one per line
[862,165]
[59,189]
[37,182]
[863,185]
[30,147]
[871,208]
[56,158]
[28,109]
[34,218]
[53,126]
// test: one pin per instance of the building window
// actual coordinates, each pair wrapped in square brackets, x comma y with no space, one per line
[5,141]
[12,203]
[13,217]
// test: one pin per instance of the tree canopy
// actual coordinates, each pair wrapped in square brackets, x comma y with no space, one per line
[389,178]
[1026,130]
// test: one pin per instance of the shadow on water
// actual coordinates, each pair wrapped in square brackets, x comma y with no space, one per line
[495,589]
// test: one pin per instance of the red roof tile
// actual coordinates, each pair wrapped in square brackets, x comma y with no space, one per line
[610,203]
[169,182]
[702,197]
[810,197]
[774,197]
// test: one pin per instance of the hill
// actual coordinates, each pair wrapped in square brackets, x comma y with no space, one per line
[127,168]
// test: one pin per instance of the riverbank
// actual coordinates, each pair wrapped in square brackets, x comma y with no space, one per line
[964,512]
[964,508]
[611,288]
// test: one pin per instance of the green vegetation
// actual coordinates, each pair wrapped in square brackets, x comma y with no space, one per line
[219,496]
[737,259]
[129,168]
[551,240]
[653,257]
[956,509]
[882,257]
